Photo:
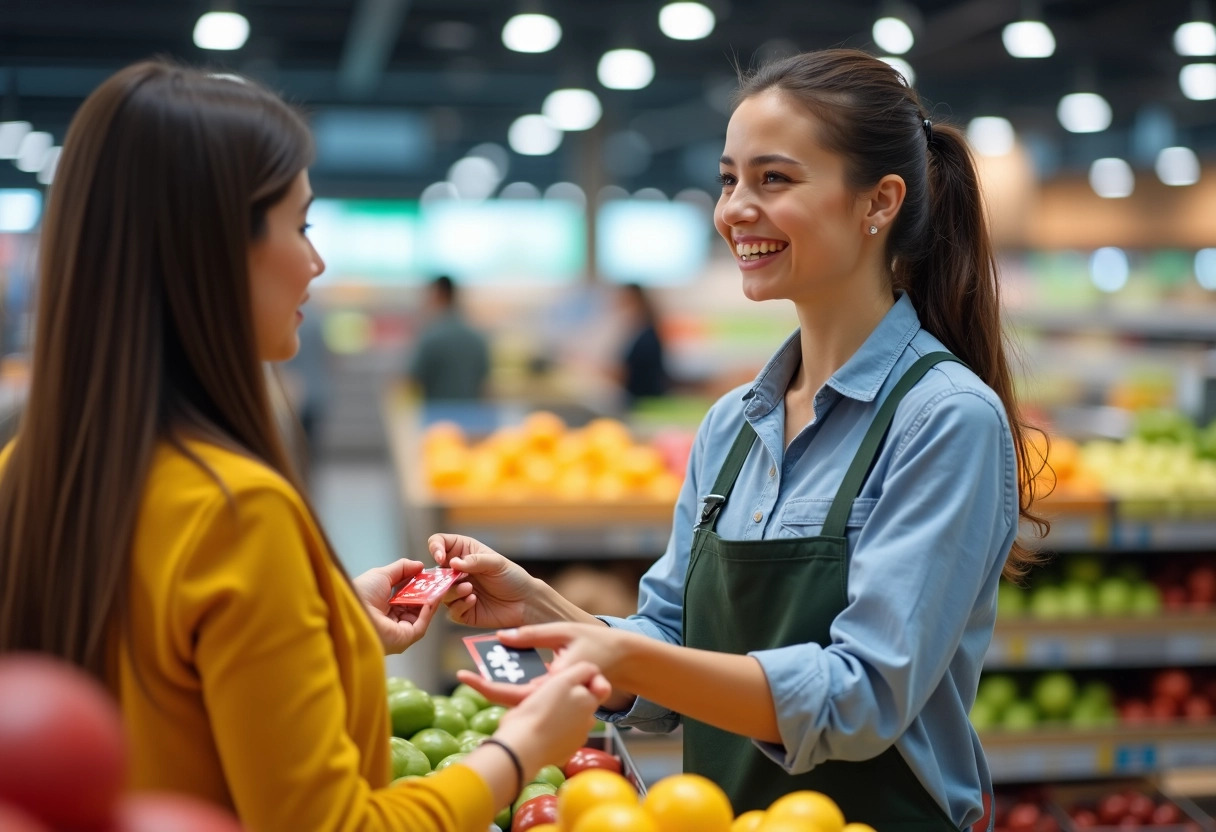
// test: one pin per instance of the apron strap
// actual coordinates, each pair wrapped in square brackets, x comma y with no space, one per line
[727,476]
[859,469]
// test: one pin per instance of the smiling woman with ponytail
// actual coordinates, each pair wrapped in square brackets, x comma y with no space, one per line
[821,614]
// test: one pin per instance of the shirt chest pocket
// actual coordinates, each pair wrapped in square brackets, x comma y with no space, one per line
[805,517]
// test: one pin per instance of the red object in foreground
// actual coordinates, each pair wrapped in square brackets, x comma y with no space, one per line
[62,752]
[13,819]
[155,812]
[538,810]
[586,758]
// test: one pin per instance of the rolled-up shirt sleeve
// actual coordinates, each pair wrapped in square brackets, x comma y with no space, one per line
[934,543]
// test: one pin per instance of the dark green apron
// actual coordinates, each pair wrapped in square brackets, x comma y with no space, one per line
[745,595]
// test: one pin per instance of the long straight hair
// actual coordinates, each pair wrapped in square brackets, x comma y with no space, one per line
[144,333]
[939,244]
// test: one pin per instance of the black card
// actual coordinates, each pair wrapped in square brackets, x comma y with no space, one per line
[499,663]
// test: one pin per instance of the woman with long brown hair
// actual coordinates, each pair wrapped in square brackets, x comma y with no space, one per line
[152,529]
[819,619]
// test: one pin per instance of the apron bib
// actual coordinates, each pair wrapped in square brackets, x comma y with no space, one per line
[745,595]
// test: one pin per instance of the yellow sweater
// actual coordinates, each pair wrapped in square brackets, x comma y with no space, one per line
[249,674]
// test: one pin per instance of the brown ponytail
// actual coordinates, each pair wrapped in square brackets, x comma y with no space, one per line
[939,246]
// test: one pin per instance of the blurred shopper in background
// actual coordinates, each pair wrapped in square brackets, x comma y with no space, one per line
[451,360]
[643,372]
[820,616]
[152,528]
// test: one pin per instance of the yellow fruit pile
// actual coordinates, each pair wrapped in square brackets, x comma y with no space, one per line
[597,800]
[543,458]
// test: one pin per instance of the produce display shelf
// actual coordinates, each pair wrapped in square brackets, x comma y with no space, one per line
[523,526]
[1081,754]
[1175,638]
[1129,525]
[1173,323]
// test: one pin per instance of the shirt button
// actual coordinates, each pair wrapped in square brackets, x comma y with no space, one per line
[758,516]
[772,472]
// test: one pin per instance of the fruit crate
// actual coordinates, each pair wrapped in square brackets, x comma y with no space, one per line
[1104,801]
[609,740]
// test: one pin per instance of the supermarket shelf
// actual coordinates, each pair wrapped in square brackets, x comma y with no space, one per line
[1172,324]
[1176,638]
[1119,752]
[1123,526]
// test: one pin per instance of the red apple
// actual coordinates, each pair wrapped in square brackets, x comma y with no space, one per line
[586,758]
[1197,708]
[1135,711]
[1084,818]
[1202,584]
[1175,597]
[536,811]
[1167,814]
[1162,709]
[1172,684]
[1112,808]
[1047,823]
[1140,806]
[1129,823]
[1023,817]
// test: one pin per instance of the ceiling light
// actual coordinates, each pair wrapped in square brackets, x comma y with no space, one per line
[531,33]
[990,135]
[19,209]
[625,69]
[31,155]
[496,154]
[1084,112]
[686,21]
[438,192]
[572,109]
[1108,268]
[567,192]
[533,135]
[1205,267]
[893,35]
[902,67]
[1029,39]
[650,195]
[1178,166]
[1198,81]
[11,134]
[474,177]
[1195,39]
[1111,178]
[520,190]
[49,163]
[221,31]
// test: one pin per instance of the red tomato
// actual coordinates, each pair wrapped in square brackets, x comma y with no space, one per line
[62,753]
[153,812]
[586,758]
[536,811]
[13,819]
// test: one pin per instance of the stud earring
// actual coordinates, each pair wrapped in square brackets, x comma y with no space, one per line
[873,229]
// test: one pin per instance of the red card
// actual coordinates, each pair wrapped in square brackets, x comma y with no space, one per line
[427,587]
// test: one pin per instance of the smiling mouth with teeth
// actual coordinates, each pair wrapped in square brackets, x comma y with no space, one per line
[754,251]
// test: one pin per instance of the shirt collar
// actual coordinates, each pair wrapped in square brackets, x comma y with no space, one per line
[860,378]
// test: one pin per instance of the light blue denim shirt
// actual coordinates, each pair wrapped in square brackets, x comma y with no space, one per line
[928,537]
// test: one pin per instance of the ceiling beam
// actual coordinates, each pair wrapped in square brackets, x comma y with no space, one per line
[374,27]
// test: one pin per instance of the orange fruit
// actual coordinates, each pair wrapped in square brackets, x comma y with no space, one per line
[748,821]
[689,803]
[786,825]
[808,807]
[545,827]
[859,827]
[543,430]
[588,789]
[616,817]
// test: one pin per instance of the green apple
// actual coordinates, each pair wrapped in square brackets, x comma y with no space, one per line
[983,716]
[1114,596]
[1046,602]
[998,692]
[411,710]
[1020,716]
[1054,694]
[396,683]
[550,774]
[435,743]
[1084,568]
[1010,600]
[463,691]
[449,719]
[1096,692]
[449,760]
[407,759]
[486,721]
[1076,600]
[503,819]
[1146,599]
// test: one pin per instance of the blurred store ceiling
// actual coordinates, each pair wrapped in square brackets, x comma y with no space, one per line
[399,90]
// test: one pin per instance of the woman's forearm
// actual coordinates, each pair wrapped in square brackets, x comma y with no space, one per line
[725,690]
[547,605]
